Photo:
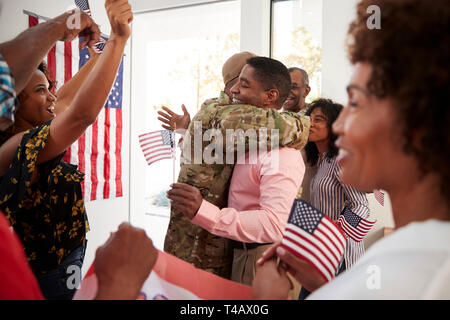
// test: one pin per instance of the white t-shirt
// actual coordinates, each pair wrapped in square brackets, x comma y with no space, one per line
[411,263]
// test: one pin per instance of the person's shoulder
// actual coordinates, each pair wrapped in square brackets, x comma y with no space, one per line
[412,242]
[210,101]
[221,100]
[381,277]
[384,271]
[438,287]
[38,132]
[431,234]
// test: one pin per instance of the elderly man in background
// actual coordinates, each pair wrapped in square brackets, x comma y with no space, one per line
[295,102]
[300,89]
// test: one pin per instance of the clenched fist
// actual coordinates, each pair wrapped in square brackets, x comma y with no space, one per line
[120,16]
[77,23]
[123,263]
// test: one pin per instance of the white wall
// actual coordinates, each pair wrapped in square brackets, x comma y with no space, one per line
[336,68]
[255,26]
[145,5]
[104,215]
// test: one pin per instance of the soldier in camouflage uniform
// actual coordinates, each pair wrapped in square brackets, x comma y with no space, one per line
[190,242]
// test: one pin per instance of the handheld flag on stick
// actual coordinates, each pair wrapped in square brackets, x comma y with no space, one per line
[158,145]
[84,6]
[353,225]
[379,196]
[313,237]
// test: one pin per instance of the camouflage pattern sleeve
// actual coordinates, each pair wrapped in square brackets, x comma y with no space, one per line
[222,100]
[185,240]
[293,129]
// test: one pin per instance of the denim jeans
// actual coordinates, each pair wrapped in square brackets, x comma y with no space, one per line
[61,283]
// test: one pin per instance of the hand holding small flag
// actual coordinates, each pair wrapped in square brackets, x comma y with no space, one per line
[304,272]
[314,238]
[158,145]
[312,248]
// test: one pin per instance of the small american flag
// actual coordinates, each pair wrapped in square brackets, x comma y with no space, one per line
[83,5]
[353,225]
[99,46]
[158,145]
[313,237]
[379,196]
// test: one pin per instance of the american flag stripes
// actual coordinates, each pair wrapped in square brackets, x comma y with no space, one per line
[98,151]
[313,237]
[379,196]
[99,46]
[84,6]
[158,145]
[353,225]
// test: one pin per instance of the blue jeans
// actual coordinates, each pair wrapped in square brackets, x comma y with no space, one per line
[61,283]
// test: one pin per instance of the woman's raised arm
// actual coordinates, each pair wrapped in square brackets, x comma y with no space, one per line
[69,89]
[93,93]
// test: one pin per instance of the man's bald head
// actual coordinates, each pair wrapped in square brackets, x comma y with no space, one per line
[232,68]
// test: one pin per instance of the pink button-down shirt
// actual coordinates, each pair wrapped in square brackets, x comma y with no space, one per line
[259,200]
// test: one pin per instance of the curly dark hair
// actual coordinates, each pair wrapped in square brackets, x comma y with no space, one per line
[44,68]
[331,110]
[409,56]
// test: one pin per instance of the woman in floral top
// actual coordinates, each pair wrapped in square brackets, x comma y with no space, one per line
[39,193]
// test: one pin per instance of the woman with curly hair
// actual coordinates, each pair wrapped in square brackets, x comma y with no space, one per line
[392,135]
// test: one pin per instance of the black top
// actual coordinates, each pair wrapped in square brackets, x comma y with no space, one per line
[49,215]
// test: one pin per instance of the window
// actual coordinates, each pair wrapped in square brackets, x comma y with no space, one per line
[297,38]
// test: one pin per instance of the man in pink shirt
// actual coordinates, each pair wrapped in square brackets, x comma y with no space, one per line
[261,192]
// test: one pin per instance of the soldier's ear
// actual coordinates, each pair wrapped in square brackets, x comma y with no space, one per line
[272,96]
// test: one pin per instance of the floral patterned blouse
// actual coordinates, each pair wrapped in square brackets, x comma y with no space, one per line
[48,215]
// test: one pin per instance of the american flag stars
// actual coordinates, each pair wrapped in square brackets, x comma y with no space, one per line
[313,237]
[355,226]
[310,218]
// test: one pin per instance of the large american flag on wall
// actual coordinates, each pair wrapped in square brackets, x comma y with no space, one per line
[98,151]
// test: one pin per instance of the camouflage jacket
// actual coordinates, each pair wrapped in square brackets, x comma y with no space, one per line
[191,242]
